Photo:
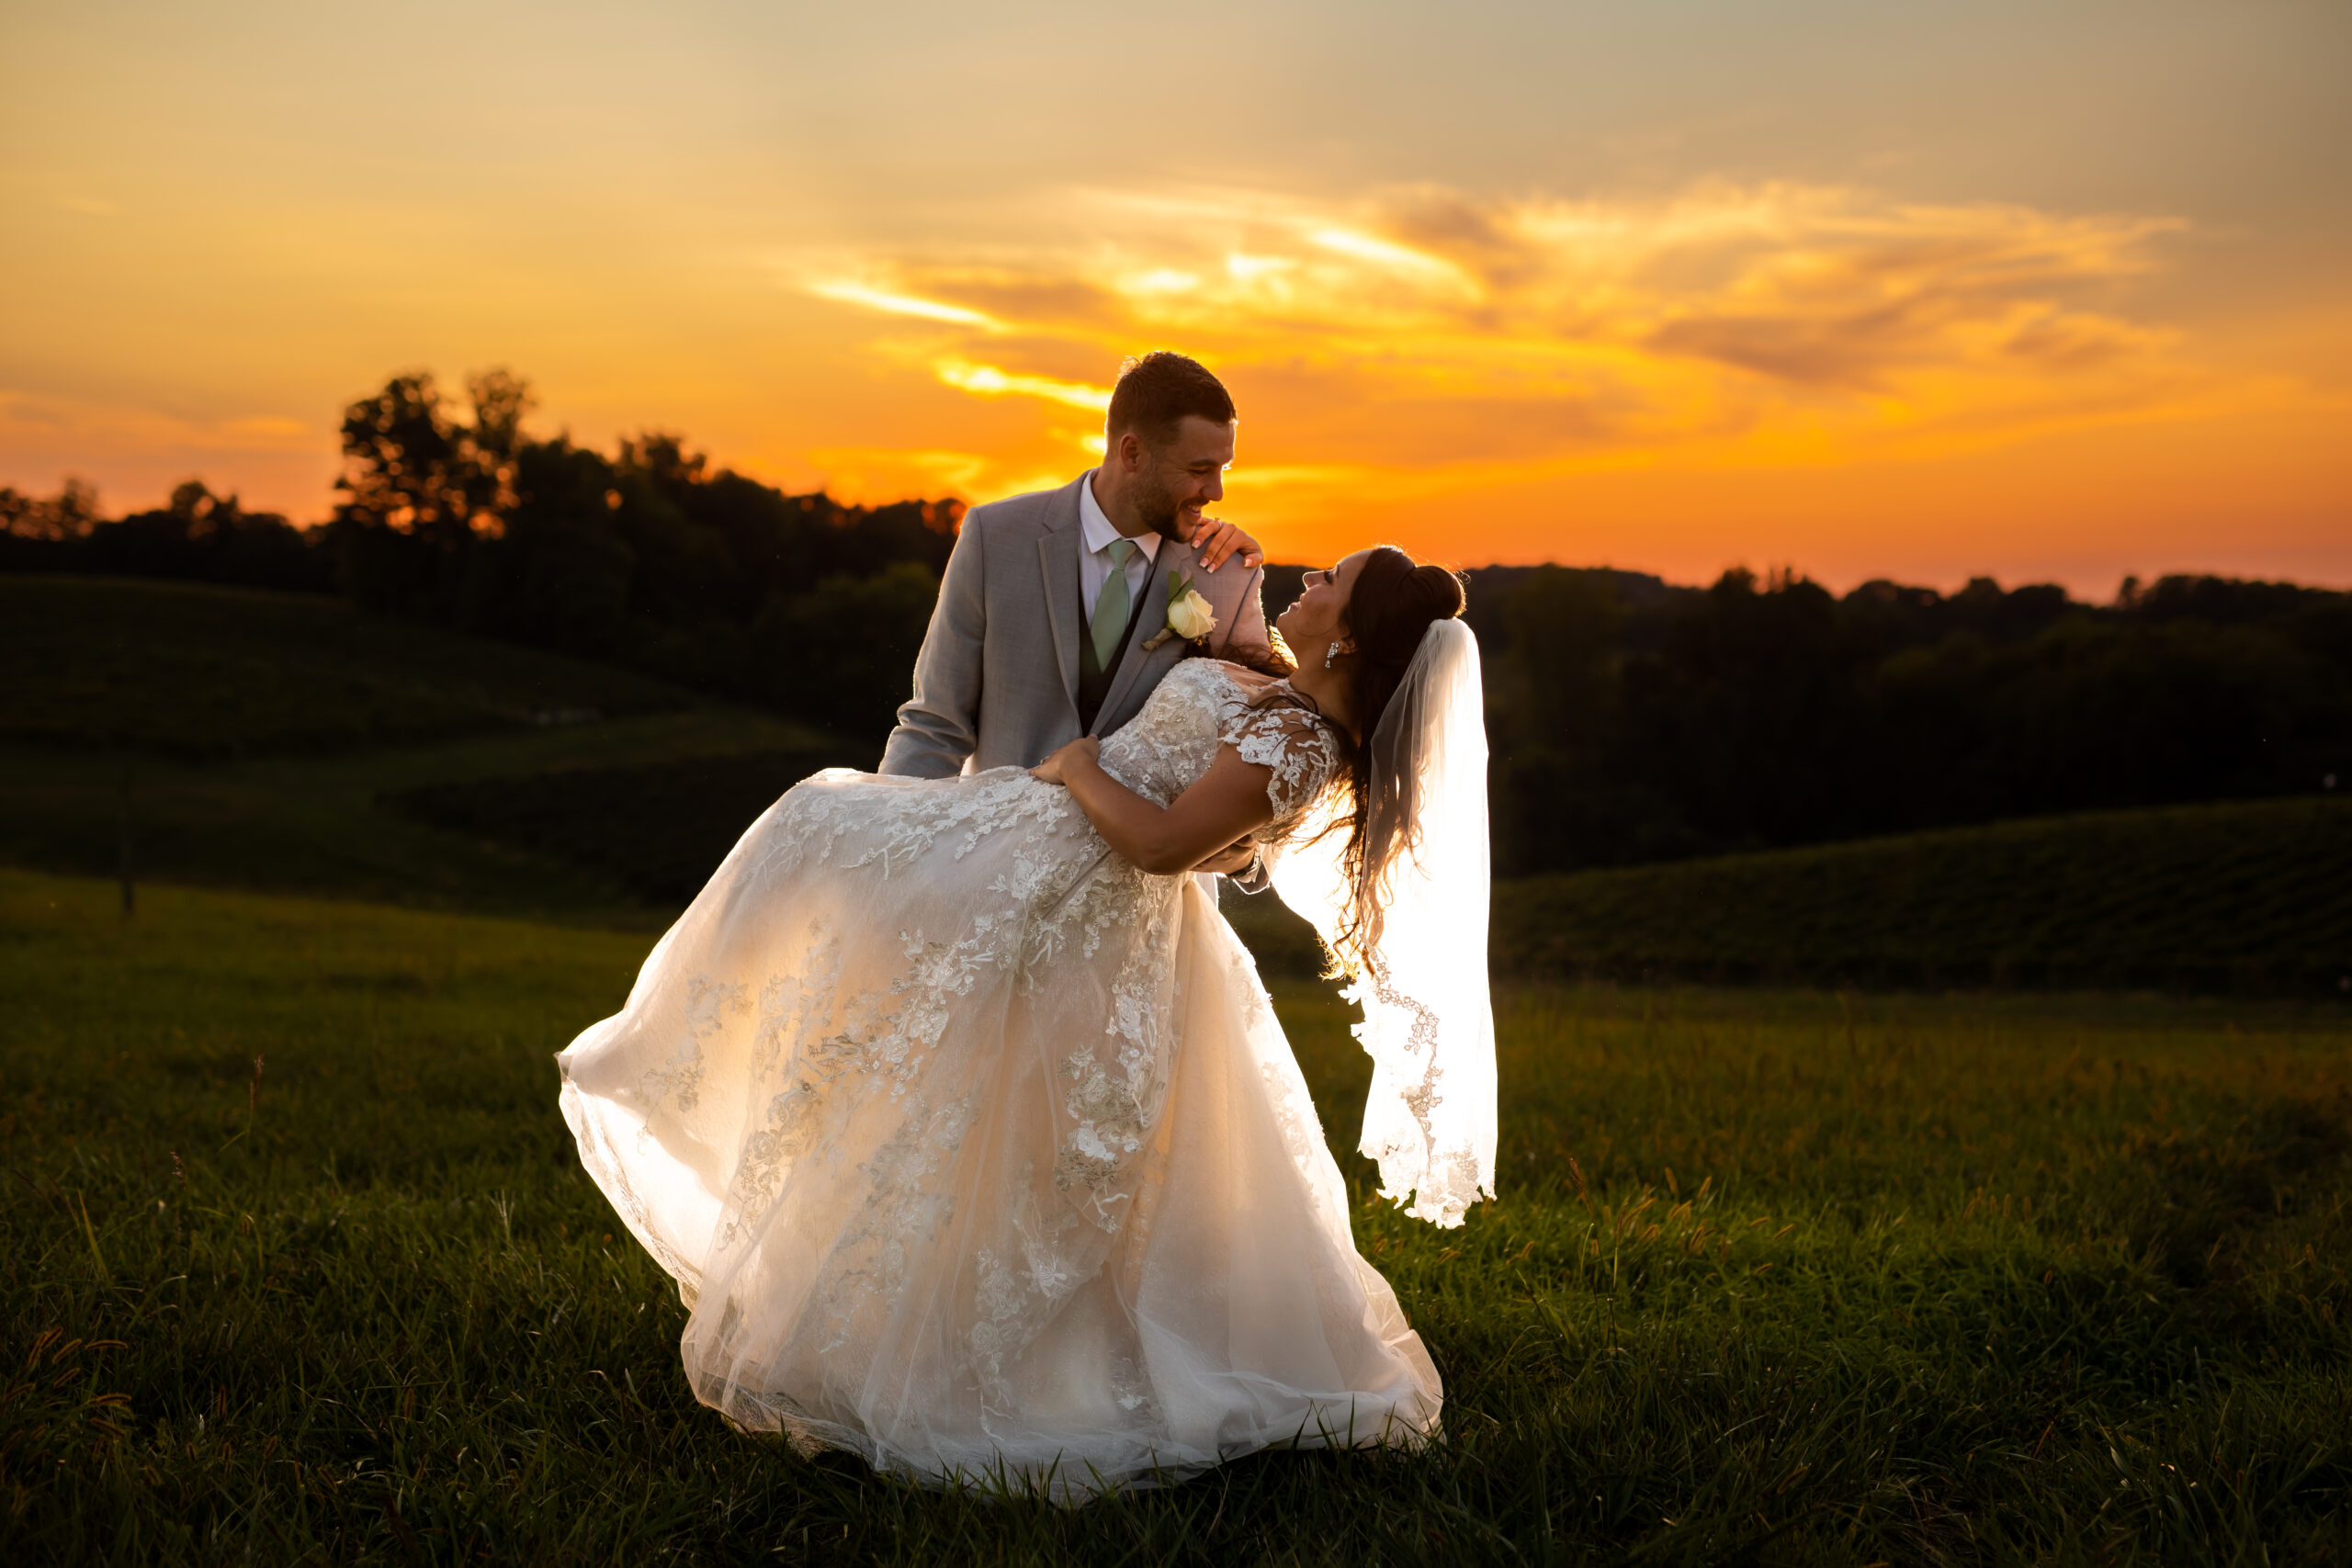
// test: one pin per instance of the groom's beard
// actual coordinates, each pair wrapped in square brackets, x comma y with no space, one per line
[1158,509]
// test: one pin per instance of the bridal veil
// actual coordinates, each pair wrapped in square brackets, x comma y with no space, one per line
[1419,973]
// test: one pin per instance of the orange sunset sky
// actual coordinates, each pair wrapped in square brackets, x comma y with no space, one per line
[2052,291]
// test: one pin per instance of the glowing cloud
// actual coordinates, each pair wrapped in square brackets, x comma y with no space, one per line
[901,304]
[1429,338]
[990,382]
[1363,247]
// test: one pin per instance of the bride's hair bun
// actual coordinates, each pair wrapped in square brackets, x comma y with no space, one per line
[1391,605]
[1441,589]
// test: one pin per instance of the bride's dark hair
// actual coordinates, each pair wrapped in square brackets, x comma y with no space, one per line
[1391,606]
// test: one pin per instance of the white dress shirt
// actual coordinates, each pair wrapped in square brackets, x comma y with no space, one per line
[1094,561]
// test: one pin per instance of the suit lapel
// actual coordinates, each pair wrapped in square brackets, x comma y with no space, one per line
[1058,552]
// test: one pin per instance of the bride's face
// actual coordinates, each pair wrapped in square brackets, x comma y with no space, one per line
[1319,615]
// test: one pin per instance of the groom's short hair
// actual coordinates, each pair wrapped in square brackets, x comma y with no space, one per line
[1159,391]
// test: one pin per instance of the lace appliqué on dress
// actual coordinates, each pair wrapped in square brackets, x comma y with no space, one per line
[1293,746]
[913,1061]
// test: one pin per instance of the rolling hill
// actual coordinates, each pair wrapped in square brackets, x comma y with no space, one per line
[290,743]
[2244,896]
[246,738]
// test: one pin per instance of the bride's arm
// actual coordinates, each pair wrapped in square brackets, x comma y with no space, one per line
[1228,802]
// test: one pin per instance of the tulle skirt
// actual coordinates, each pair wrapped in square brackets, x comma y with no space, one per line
[981,1153]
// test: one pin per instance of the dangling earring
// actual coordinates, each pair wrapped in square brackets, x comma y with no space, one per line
[1329,653]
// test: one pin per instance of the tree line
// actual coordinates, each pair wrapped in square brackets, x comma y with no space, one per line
[1632,720]
[448,511]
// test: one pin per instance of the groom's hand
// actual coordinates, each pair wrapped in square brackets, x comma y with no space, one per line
[1217,539]
[1232,860]
[1055,769]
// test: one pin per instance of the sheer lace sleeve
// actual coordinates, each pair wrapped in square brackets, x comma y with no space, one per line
[1291,743]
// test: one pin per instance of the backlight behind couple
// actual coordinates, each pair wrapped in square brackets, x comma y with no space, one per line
[955,1109]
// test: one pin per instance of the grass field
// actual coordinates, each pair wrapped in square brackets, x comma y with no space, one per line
[298,1266]
[2244,895]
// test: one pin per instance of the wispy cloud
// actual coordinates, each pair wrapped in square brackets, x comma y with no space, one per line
[137,452]
[990,382]
[898,304]
[29,420]
[895,470]
[1428,331]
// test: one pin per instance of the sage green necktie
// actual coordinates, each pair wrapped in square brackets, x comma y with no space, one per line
[1111,609]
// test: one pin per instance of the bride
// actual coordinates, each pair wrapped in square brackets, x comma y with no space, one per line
[965,1126]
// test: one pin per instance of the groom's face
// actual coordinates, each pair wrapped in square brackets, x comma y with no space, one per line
[1177,479]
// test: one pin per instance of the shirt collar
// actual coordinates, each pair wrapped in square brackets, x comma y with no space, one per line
[1097,528]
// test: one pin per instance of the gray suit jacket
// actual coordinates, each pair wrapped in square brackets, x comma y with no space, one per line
[996,683]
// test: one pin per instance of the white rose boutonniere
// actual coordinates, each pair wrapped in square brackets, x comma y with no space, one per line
[1190,616]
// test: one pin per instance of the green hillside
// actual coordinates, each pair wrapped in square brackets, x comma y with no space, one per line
[2240,896]
[250,739]
[201,671]
[290,743]
[658,830]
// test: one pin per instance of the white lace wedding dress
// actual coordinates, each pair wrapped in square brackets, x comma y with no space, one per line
[980,1152]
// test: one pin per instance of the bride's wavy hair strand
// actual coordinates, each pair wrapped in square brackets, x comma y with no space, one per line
[1391,605]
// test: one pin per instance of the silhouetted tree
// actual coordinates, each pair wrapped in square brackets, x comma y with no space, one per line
[566,571]
[423,490]
[843,654]
[196,536]
[1629,720]
[654,555]
[207,538]
[1749,715]
[40,534]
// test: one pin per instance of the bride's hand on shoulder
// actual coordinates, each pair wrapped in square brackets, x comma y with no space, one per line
[1053,769]
[1217,540]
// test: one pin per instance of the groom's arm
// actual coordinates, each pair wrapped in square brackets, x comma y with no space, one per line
[939,726]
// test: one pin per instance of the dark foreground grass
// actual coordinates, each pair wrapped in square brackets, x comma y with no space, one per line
[297,1265]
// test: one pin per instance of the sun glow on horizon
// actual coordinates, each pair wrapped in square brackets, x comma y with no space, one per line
[2007,289]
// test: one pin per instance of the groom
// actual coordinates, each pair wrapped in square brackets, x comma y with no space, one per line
[1048,611]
